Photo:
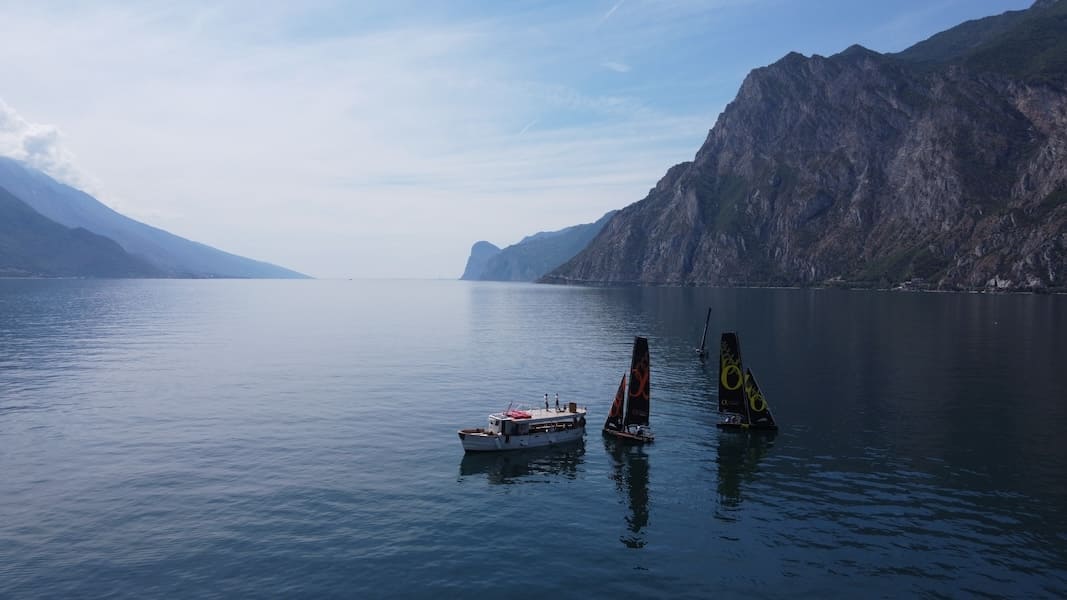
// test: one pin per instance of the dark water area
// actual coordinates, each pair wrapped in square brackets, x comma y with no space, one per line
[219,439]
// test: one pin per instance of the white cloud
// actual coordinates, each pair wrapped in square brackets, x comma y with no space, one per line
[618,67]
[40,146]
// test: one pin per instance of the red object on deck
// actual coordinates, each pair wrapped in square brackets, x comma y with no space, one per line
[517,414]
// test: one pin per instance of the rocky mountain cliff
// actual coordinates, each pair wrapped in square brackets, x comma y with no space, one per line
[481,252]
[533,256]
[943,166]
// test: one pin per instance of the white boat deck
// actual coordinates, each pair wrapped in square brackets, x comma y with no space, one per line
[539,415]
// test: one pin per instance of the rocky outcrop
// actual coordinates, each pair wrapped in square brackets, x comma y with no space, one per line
[481,252]
[534,255]
[945,168]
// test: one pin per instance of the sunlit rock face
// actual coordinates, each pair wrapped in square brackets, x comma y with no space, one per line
[943,166]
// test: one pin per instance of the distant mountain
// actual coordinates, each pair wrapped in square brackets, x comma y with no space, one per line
[942,166]
[535,254]
[481,252]
[32,245]
[171,255]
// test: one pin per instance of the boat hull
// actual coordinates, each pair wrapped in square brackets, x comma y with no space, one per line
[746,427]
[629,437]
[485,442]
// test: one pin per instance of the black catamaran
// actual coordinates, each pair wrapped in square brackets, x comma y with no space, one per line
[628,418]
[702,351]
[741,403]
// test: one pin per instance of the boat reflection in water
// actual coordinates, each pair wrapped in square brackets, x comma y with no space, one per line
[525,466]
[630,473]
[738,460]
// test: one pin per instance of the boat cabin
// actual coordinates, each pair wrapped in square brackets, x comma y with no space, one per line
[537,421]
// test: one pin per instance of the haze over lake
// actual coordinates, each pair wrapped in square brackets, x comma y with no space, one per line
[198,438]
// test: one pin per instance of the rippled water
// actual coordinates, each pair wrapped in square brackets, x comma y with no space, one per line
[297,438]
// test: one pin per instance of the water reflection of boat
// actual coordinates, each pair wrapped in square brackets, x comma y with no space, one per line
[738,461]
[630,473]
[522,465]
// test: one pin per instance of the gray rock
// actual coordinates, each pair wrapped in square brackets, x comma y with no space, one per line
[481,252]
[945,168]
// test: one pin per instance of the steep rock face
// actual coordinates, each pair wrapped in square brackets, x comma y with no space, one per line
[481,252]
[867,169]
[534,255]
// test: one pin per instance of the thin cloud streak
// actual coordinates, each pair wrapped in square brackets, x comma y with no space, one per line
[610,12]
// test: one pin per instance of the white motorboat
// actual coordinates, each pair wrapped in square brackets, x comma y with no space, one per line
[531,428]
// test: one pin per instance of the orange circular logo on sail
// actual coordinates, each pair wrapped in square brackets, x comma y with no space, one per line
[639,381]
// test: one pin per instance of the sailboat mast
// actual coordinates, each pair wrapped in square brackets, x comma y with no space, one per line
[704,338]
[625,406]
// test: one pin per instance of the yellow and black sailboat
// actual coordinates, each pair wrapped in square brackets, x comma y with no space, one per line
[741,403]
[628,418]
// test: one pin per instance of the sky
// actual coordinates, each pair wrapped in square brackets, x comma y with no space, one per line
[382,139]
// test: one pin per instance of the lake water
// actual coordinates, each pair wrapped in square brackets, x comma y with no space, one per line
[229,439]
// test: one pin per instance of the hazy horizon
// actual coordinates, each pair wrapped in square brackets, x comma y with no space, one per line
[380,142]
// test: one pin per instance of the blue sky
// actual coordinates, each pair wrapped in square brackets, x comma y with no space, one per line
[382,139]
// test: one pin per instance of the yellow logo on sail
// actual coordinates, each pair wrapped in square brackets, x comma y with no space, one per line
[727,371]
[755,397]
[730,369]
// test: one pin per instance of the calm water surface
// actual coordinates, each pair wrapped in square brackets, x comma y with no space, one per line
[264,438]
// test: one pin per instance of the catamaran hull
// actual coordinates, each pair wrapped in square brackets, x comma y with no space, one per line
[629,437]
[481,442]
[746,427]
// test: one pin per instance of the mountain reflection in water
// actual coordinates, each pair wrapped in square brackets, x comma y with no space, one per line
[630,473]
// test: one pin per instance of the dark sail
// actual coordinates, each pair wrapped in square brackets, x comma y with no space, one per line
[702,351]
[614,420]
[731,377]
[638,400]
[759,412]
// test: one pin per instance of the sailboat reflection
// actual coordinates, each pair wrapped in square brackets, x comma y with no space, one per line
[630,473]
[738,460]
[524,466]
